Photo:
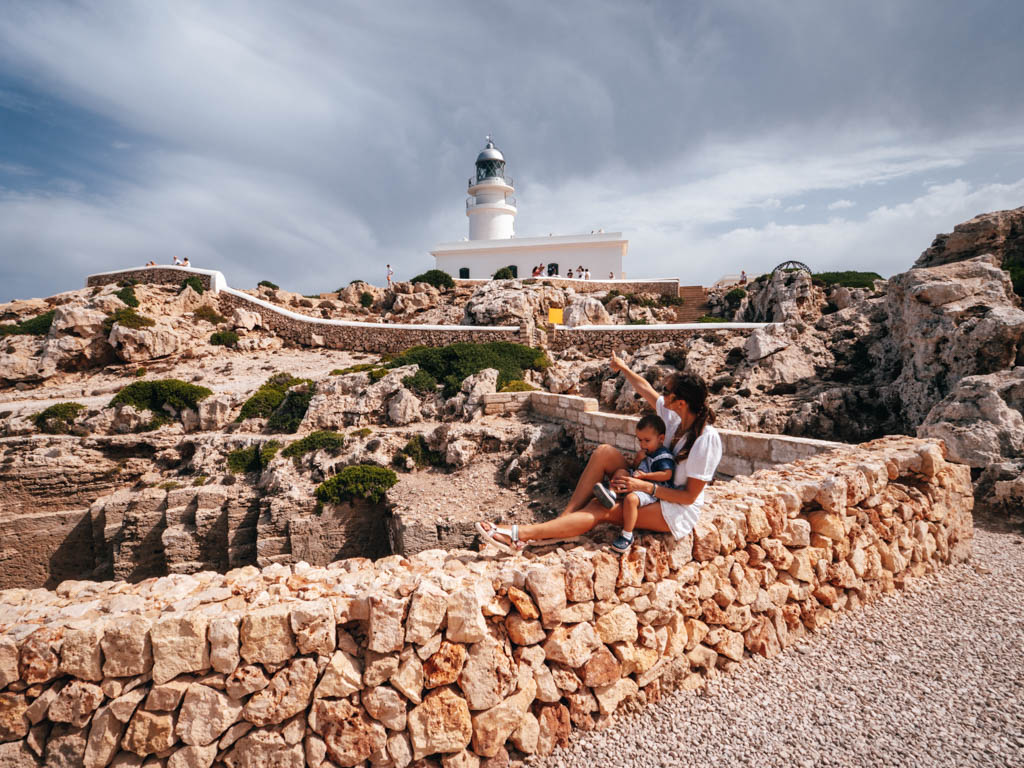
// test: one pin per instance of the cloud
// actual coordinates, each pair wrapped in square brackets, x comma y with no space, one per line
[795,208]
[839,205]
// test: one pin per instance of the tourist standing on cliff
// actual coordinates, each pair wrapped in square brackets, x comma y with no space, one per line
[696,445]
[390,274]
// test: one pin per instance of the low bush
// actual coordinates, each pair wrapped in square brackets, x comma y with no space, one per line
[140,372]
[209,314]
[421,382]
[34,326]
[451,364]
[421,454]
[366,299]
[1015,267]
[200,480]
[154,395]
[518,385]
[671,301]
[362,481]
[638,321]
[377,374]
[127,295]
[224,338]
[126,317]
[354,369]
[57,419]
[505,273]
[287,417]
[734,297]
[362,433]
[255,458]
[268,284]
[315,441]
[435,277]
[848,279]
[170,485]
[268,397]
[712,319]
[194,283]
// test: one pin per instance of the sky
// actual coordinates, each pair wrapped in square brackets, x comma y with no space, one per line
[311,142]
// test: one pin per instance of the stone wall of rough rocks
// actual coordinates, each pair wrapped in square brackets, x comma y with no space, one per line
[744,452]
[659,287]
[164,275]
[456,656]
[363,337]
[595,341]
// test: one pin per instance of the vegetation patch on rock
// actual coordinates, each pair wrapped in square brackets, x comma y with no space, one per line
[156,395]
[127,295]
[255,458]
[359,481]
[34,326]
[366,299]
[57,419]
[287,417]
[322,440]
[848,279]
[435,277]
[421,382]
[518,385]
[194,283]
[420,453]
[268,397]
[268,284]
[452,364]
[224,338]
[209,314]
[127,317]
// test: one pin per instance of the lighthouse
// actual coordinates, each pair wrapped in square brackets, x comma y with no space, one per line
[493,245]
[491,208]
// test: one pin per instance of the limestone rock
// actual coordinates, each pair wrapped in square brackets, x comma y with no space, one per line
[267,636]
[586,310]
[404,408]
[13,720]
[343,676]
[351,736]
[386,705]
[572,647]
[126,647]
[179,646]
[385,633]
[149,732]
[466,622]
[444,666]
[489,674]
[75,703]
[265,749]
[440,724]
[224,644]
[288,694]
[206,714]
[427,610]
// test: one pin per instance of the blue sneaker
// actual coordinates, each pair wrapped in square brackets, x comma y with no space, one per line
[607,497]
[623,543]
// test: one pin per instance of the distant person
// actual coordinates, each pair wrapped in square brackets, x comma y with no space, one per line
[743,277]
[177,261]
[586,275]
[568,275]
[611,275]
[185,262]
[150,263]
[390,274]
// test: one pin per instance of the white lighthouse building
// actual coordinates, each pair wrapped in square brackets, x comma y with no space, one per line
[493,244]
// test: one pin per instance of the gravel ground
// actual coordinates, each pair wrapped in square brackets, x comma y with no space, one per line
[933,676]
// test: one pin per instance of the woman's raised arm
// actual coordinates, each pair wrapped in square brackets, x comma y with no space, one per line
[638,382]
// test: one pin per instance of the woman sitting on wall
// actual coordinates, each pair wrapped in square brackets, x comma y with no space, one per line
[696,444]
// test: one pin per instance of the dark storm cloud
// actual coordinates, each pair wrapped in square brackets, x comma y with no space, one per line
[313,142]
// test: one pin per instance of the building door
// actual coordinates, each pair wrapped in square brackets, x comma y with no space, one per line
[552,269]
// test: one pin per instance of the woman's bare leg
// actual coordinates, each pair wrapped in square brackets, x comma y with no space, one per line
[605,460]
[583,520]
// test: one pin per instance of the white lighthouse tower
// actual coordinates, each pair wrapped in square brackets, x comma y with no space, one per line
[490,206]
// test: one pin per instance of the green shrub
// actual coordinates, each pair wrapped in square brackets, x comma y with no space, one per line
[224,338]
[154,395]
[358,481]
[315,441]
[639,321]
[56,419]
[200,480]
[421,454]
[126,317]
[452,364]
[268,397]
[376,374]
[362,433]
[734,297]
[366,299]
[287,417]
[194,283]
[170,485]
[421,383]
[127,295]
[140,372]
[518,385]
[268,284]
[504,274]
[209,314]
[255,458]
[34,326]
[1016,270]
[671,301]
[712,319]
[354,369]
[848,279]
[436,277]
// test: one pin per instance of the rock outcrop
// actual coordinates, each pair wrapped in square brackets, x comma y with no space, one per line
[1000,233]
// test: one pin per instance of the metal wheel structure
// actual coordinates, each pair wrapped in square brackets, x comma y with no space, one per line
[792,266]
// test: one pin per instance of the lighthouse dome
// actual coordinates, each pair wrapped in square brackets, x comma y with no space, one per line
[490,152]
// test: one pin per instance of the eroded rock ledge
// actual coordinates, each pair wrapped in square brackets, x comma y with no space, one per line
[457,655]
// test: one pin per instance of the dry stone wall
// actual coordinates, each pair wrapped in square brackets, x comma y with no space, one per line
[455,655]
[594,340]
[162,275]
[664,287]
[744,452]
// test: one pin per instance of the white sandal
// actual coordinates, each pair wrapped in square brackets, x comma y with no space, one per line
[512,532]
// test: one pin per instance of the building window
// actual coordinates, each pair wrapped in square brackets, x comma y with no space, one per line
[464,273]
[552,270]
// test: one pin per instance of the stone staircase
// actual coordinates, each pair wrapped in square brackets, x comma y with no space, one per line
[695,306]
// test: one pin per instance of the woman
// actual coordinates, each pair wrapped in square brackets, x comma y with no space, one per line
[696,445]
